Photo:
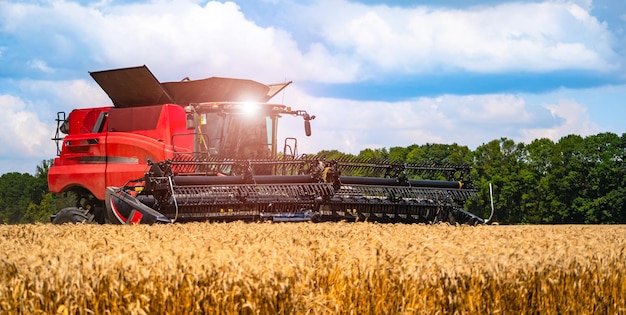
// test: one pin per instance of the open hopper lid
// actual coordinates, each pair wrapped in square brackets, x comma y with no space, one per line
[137,86]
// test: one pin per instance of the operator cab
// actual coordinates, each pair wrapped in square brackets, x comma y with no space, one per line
[235,129]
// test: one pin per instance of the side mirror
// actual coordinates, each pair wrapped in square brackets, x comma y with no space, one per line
[307,127]
[65,127]
[191,122]
[191,119]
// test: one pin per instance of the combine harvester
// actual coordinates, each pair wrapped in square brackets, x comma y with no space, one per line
[207,150]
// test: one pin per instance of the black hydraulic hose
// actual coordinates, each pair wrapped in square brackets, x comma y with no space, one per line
[234,180]
[295,179]
[356,180]
[379,181]
[436,183]
[208,180]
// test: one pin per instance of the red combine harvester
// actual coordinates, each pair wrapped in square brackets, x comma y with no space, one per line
[199,150]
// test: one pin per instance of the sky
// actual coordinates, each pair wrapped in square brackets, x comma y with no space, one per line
[376,74]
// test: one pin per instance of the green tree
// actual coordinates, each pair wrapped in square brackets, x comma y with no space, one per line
[399,154]
[599,199]
[374,154]
[439,154]
[333,155]
[499,162]
[570,171]
[17,191]
[537,176]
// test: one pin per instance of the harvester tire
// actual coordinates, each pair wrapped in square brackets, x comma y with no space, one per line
[73,215]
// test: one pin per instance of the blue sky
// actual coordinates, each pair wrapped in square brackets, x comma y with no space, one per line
[375,73]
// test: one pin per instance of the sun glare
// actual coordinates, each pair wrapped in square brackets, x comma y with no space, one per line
[249,108]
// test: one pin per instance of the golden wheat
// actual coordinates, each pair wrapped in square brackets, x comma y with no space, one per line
[330,268]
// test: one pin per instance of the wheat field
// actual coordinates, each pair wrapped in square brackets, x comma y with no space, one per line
[329,268]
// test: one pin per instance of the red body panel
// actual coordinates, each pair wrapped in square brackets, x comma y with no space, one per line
[109,146]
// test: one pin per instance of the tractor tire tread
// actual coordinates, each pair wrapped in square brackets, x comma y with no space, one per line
[73,215]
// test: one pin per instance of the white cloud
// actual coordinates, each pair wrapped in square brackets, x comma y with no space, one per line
[575,119]
[471,120]
[64,95]
[513,36]
[40,65]
[354,41]
[215,38]
[490,109]
[24,135]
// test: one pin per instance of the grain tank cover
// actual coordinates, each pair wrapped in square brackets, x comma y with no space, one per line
[137,86]
[131,87]
[217,90]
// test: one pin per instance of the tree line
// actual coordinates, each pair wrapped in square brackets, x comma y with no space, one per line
[574,180]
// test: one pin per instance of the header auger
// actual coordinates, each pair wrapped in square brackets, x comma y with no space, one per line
[207,150]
